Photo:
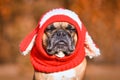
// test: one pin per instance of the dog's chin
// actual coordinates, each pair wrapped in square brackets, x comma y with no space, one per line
[60,49]
[60,54]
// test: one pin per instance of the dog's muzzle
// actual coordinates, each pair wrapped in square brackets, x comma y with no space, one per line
[60,41]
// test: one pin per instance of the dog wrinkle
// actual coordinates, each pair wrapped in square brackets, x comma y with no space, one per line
[58,24]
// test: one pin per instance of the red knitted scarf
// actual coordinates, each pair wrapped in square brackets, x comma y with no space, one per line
[43,62]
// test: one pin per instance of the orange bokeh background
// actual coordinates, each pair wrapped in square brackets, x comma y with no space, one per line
[19,17]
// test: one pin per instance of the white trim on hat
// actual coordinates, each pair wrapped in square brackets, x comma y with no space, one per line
[61,11]
[90,48]
[30,46]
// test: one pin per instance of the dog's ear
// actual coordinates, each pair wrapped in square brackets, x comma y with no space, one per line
[28,42]
[90,48]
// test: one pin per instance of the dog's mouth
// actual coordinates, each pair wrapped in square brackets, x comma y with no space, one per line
[60,48]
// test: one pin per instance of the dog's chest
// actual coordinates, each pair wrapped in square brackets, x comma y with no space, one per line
[76,73]
[65,75]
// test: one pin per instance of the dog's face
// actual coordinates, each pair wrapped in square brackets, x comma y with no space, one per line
[60,39]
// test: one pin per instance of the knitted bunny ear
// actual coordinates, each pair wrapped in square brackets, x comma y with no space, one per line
[90,47]
[28,42]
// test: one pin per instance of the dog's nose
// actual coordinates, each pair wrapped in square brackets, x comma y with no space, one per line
[61,33]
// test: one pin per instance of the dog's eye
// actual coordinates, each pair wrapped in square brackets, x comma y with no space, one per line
[71,28]
[50,28]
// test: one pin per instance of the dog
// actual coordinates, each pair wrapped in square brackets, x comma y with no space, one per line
[58,46]
[60,39]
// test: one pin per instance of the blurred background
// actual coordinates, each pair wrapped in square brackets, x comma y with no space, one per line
[19,17]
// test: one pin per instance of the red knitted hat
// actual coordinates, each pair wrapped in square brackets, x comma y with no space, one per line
[43,62]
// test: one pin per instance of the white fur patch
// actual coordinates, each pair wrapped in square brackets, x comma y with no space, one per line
[66,74]
[60,54]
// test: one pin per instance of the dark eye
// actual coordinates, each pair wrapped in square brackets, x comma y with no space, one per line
[71,28]
[50,28]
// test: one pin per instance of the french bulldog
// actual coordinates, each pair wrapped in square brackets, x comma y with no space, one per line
[58,46]
[60,39]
